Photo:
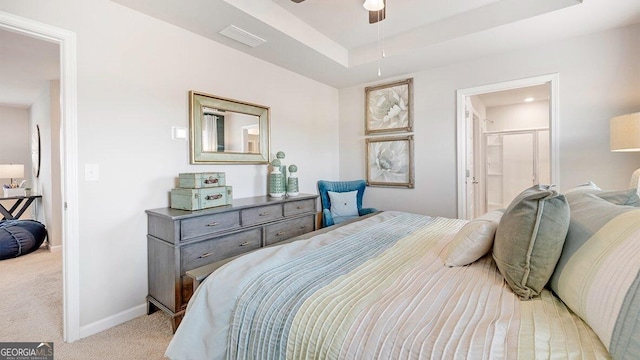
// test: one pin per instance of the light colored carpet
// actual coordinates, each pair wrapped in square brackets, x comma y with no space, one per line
[31,310]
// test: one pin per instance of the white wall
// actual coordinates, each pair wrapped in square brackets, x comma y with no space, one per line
[15,147]
[523,116]
[599,79]
[134,75]
[45,112]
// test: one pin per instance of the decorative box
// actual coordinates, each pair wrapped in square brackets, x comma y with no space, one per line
[198,199]
[14,192]
[201,180]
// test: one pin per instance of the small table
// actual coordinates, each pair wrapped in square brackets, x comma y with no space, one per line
[25,201]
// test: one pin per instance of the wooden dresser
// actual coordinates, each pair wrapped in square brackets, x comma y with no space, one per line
[179,241]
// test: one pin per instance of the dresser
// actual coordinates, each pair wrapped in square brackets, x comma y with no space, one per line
[180,240]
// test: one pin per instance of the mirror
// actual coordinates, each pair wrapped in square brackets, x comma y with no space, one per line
[226,131]
[35,151]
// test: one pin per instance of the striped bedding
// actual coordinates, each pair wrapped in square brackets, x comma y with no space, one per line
[374,289]
[598,274]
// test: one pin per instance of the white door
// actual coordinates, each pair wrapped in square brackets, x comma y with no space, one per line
[470,171]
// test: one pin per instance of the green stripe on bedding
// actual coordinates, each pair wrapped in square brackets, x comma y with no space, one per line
[268,304]
[625,342]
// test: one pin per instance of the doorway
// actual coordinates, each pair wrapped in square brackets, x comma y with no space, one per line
[68,159]
[512,145]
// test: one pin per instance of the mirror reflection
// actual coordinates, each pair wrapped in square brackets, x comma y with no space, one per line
[226,131]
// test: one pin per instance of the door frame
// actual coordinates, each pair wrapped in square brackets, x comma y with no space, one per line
[69,160]
[554,117]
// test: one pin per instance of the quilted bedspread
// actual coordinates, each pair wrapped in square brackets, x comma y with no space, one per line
[374,289]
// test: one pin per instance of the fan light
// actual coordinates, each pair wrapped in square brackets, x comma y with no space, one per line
[373,5]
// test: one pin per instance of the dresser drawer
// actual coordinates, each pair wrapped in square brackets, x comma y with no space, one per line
[262,214]
[288,229]
[299,207]
[209,224]
[212,250]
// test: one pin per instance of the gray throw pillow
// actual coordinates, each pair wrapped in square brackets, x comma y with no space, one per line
[529,239]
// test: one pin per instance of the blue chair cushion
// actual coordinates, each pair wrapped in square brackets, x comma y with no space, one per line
[20,237]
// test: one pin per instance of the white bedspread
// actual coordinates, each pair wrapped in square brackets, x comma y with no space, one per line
[398,301]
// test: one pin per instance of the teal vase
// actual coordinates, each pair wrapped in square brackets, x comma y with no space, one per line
[292,181]
[276,180]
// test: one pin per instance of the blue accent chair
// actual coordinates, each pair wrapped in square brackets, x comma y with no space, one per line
[325,186]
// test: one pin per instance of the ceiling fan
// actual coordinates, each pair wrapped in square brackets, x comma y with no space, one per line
[376,9]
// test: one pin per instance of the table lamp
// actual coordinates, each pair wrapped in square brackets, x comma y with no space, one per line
[624,131]
[11,171]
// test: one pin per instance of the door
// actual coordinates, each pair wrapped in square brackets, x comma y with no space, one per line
[470,176]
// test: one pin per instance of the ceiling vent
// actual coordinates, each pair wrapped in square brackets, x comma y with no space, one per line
[243,36]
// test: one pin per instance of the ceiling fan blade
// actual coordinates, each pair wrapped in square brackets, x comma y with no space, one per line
[375,16]
[297,1]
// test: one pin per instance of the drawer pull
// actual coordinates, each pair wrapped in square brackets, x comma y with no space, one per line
[207,254]
[298,207]
[213,197]
[211,180]
[245,243]
[264,213]
[213,224]
[281,233]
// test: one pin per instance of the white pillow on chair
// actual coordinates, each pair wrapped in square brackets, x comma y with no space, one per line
[343,203]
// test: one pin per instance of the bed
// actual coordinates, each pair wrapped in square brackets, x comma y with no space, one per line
[378,288]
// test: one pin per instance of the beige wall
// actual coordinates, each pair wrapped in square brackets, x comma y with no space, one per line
[599,78]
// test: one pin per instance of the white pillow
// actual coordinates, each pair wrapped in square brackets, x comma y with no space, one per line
[343,203]
[474,240]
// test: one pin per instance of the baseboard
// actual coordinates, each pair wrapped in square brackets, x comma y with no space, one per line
[56,248]
[111,321]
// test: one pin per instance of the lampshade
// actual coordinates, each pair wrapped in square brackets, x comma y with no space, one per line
[373,5]
[624,132]
[11,171]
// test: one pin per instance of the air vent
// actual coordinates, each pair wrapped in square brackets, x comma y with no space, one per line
[243,36]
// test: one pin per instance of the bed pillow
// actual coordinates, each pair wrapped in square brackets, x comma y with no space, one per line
[474,240]
[588,186]
[598,274]
[343,203]
[621,197]
[529,239]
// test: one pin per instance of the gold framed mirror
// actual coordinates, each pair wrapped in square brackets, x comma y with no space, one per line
[227,131]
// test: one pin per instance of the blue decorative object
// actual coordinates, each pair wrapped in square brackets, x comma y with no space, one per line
[276,180]
[325,186]
[292,181]
[20,237]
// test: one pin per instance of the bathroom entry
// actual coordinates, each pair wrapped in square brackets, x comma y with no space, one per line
[507,145]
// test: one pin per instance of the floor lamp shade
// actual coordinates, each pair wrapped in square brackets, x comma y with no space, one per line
[625,132]
[11,171]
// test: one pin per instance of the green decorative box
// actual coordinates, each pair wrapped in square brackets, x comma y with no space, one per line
[201,180]
[198,199]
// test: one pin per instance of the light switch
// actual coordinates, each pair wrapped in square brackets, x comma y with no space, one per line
[91,172]
[178,133]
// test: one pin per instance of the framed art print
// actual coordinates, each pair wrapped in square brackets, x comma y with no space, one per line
[390,161]
[389,107]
